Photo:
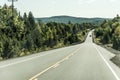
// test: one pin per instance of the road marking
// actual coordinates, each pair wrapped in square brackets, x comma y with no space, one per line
[36,79]
[52,66]
[66,58]
[117,78]
[10,64]
[25,60]
[56,65]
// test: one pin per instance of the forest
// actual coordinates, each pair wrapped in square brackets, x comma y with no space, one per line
[23,35]
[109,33]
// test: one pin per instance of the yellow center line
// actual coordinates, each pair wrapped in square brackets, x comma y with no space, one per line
[54,65]
[36,79]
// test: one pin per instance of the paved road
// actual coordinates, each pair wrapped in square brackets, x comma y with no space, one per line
[85,61]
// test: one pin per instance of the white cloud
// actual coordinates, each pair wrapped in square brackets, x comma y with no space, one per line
[90,1]
[85,1]
[113,0]
[53,2]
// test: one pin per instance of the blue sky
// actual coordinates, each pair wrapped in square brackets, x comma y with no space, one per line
[77,8]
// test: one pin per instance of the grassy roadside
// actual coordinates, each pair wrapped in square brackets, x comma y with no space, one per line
[116,58]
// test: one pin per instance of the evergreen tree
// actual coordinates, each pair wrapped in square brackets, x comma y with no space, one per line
[31,21]
[27,36]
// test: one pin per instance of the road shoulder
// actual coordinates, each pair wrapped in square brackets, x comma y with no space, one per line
[108,55]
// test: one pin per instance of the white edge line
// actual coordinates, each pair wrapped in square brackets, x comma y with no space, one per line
[117,78]
[24,60]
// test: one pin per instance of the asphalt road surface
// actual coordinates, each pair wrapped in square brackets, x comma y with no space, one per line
[86,61]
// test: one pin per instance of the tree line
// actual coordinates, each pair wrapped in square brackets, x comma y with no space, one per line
[109,32]
[24,36]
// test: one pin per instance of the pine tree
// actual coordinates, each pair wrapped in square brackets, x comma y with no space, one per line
[31,21]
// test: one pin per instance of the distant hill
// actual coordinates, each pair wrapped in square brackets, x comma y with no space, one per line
[66,19]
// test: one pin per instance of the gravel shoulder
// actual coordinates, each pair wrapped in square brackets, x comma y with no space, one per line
[116,58]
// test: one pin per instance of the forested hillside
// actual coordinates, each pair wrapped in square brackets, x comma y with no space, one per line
[66,19]
[108,33]
[24,36]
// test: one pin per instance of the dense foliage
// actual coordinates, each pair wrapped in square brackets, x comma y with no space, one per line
[24,36]
[109,32]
